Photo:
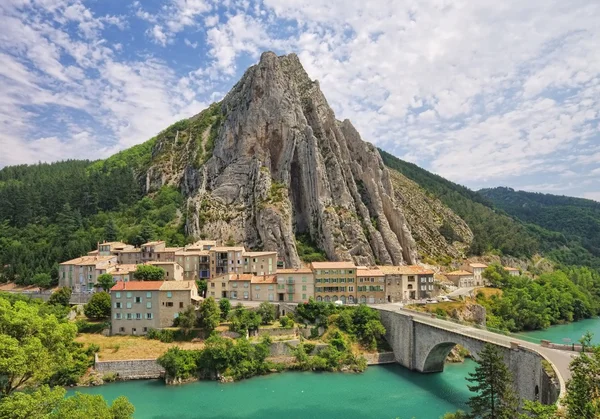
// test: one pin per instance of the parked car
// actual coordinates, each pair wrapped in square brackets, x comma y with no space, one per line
[444,298]
[430,301]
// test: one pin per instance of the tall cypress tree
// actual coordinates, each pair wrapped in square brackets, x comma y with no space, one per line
[494,398]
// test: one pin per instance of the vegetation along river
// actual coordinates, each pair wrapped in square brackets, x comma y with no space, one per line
[380,392]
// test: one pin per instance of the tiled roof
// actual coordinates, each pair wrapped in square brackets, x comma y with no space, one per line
[257,254]
[160,262]
[123,268]
[294,271]
[265,279]
[177,285]
[170,249]
[333,265]
[406,270]
[154,243]
[508,268]
[240,277]
[188,252]
[478,265]
[459,273]
[137,286]
[227,249]
[89,260]
[369,272]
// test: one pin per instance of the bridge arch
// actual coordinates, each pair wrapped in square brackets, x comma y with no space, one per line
[436,358]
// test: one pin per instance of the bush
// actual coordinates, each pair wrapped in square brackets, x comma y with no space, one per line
[164,335]
[149,273]
[266,312]
[83,326]
[286,322]
[62,297]
[99,306]
[110,377]
[92,349]
[309,347]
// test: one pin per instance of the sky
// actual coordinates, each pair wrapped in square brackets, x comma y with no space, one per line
[503,93]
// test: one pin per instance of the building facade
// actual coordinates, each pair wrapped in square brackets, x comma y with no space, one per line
[295,285]
[370,285]
[335,281]
[138,306]
[264,288]
[81,274]
[173,270]
[462,279]
[477,270]
[409,282]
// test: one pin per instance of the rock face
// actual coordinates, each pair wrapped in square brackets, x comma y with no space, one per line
[270,161]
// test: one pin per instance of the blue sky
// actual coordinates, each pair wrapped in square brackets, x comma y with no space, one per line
[483,93]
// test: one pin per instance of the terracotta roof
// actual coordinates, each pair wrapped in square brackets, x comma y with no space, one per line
[227,249]
[188,252]
[333,265]
[508,268]
[405,270]
[123,268]
[369,272]
[170,249]
[178,285]
[154,243]
[459,273]
[294,271]
[265,279]
[160,262]
[93,252]
[478,265]
[251,254]
[134,250]
[240,277]
[113,244]
[137,286]
[89,260]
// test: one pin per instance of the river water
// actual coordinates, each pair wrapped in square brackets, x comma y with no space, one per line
[389,391]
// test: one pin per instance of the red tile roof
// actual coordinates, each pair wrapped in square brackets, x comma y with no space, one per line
[137,286]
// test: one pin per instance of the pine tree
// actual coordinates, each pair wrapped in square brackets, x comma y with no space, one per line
[110,231]
[495,398]
[584,386]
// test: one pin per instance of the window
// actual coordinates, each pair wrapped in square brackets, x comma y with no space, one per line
[128,316]
[423,287]
[117,305]
[148,294]
[128,295]
[271,288]
[257,296]
[133,330]
[245,295]
[304,296]
[138,299]
[128,304]
[138,316]
[148,304]
[290,297]
[303,279]
[234,285]
[169,294]
[246,285]
[430,287]
[350,289]
[303,287]
[117,316]
[145,329]
[117,295]
[122,329]
[271,297]
[175,315]
[257,288]
[181,304]
[149,316]
[170,304]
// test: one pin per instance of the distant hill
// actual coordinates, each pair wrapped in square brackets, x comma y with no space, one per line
[577,218]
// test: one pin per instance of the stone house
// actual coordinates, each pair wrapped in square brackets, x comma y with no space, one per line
[335,281]
[476,269]
[512,271]
[370,285]
[263,288]
[295,285]
[407,282]
[138,306]
[81,274]
[461,278]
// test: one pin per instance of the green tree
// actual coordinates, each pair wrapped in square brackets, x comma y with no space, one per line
[537,410]
[106,282]
[99,306]
[42,280]
[202,286]
[584,386]
[35,346]
[209,315]
[61,296]
[187,319]
[494,398]
[225,307]
[459,414]
[93,406]
[149,273]
[111,232]
[266,311]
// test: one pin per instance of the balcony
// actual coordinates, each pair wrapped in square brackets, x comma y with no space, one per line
[290,281]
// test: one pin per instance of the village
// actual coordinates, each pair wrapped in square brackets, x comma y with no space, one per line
[239,275]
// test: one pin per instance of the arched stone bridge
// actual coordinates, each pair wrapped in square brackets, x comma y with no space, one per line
[422,343]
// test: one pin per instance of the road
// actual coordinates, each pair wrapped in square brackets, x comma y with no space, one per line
[559,358]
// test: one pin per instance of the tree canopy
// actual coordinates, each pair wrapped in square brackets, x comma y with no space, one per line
[149,273]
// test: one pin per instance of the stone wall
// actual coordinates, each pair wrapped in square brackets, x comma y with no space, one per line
[380,358]
[277,331]
[131,369]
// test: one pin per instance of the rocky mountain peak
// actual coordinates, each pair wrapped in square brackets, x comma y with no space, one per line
[270,162]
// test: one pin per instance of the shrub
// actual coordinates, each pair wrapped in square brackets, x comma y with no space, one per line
[99,306]
[266,311]
[62,296]
[286,322]
[149,273]
[92,349]
[110,377]
[83,326]
[164,335]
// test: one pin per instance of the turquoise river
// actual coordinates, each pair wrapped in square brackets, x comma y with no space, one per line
[381,392]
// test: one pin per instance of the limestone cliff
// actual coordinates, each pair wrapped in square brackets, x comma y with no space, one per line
[271,161]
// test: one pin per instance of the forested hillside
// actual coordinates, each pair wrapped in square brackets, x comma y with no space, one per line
[578,219]
[497,229]
[53,212]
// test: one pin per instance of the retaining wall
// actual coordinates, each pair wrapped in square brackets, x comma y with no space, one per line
[133,369]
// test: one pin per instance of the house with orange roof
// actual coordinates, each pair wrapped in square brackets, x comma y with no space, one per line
[81,274]
[335,281]
[476,269]
[512,271]
[295,285]
[138,306]
[370,285]
[461,278]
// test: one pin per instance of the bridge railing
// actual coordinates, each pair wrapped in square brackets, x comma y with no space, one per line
[476,326]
